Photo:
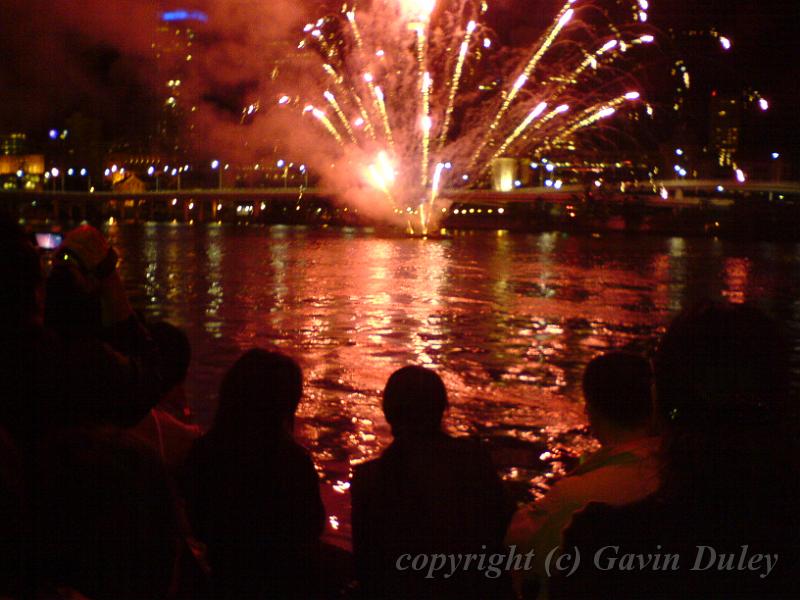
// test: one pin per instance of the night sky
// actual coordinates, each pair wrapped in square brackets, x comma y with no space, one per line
[60,57]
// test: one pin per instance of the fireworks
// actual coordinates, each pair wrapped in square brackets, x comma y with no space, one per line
[418,99]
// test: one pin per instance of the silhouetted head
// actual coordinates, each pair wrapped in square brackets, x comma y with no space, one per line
[414,401]
[20,276]
[174,351]
[722,386]
[617,388]
[721,363]
[260,392]
[72,307]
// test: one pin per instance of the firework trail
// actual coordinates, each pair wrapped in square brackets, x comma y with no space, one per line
[417,99]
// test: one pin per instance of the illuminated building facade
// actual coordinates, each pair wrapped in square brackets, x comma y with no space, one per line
[725,121]
[174,48]
[13,144]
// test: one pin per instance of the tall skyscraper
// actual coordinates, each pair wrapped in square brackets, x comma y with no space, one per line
[175,46]
[725,121]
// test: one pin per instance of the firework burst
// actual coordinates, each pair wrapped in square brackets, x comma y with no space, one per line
[417,97]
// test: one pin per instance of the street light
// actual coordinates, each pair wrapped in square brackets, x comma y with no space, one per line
[155,173]
[215,167]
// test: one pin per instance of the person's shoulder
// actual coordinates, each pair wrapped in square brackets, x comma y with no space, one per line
[600,521]
[175,426]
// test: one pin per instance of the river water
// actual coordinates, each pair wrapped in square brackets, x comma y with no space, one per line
[508,321]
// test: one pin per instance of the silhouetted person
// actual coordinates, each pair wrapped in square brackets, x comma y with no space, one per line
[253,492]
[163,428]
[110,364]
[427,493]
[104,522]
[730,481]
[617,388]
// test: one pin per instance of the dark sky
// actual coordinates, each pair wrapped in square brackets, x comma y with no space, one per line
[93,56]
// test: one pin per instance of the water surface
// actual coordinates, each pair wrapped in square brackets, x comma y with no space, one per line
[508,321]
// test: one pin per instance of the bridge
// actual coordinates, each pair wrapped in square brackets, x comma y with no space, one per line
[206,203]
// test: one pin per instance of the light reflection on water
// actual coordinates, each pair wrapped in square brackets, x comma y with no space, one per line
[507,320]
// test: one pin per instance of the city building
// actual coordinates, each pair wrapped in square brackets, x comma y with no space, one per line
[13,144]
[725,126]
[175,46]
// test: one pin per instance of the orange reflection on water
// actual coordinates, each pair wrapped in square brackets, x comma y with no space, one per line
[508,321]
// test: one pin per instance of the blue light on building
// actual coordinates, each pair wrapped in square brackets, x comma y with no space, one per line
[184,15]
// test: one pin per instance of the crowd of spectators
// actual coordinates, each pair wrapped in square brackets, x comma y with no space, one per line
[107,491]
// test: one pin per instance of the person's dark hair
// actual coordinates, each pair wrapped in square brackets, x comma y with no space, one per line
[721,363]
[104,517]
[722,387]
[261,390]
[20,272]
[617,386]
[175,353]
[414,401]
